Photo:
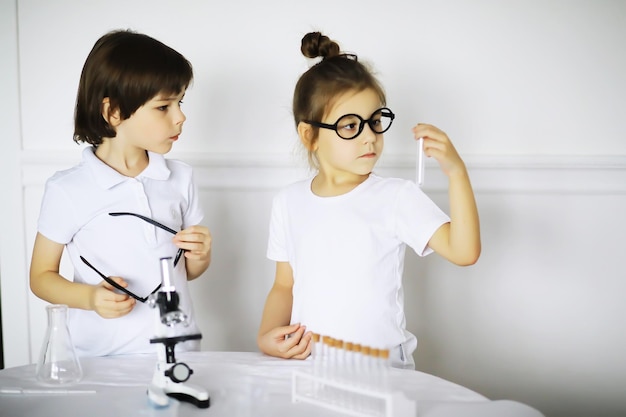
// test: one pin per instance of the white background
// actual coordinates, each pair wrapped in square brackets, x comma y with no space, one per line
[533,94]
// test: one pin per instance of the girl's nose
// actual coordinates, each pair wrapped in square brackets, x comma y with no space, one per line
[368,135]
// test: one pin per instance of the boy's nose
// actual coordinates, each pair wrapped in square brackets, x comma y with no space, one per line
[180,118]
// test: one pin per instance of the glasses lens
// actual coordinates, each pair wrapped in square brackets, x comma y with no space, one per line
[349,126]
[381,120]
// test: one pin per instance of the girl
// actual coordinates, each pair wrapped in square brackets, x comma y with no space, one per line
[339,238]
[124,206]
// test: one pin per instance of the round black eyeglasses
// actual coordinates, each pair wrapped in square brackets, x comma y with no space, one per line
[349,126]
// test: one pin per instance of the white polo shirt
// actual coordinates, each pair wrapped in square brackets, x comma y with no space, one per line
[347,255]
[75,212]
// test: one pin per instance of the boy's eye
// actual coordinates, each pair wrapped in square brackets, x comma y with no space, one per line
[162,108]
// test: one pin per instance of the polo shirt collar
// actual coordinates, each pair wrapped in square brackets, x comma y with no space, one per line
[106,177]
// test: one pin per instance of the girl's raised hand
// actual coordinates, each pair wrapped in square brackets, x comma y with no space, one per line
[438,145]
[288,342]
[109,304]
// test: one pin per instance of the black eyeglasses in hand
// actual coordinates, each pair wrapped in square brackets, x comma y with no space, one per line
[115,284]
[154,223]
[118,286]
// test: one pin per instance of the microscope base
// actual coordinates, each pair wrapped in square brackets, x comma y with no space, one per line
[192,394]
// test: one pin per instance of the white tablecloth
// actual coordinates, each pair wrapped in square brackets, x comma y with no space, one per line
[246,384]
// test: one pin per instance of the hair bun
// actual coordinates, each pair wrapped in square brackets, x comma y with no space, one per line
[314,45]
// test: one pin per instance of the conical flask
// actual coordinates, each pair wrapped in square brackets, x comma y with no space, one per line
[58,363]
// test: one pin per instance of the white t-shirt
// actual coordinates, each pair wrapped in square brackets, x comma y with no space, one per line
[75,212]
[347,256]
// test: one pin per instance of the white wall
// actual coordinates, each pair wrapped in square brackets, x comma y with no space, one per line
[531,92]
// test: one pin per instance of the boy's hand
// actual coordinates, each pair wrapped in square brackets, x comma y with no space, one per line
[196,241]
[288,342]
[109,304]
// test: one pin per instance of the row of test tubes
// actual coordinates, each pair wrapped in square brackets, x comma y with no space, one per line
[346,376]
[341,360]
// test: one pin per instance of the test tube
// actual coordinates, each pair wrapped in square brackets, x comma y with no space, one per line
[374,370]
[340,396]
[384,362]
[365,363]
[374,352]
[419,165]
[348,356]
[339,354]
[356,358]
[327,354]
[316,359]
[316,353]
[316,349]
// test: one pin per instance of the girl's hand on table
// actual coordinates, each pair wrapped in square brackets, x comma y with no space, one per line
[288,342]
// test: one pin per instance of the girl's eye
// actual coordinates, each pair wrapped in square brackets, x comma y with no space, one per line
[162,108]
[348,124]
[347,130]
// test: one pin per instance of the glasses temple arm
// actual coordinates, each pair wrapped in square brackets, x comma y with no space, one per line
[146,219]
[110,281]
[154,223]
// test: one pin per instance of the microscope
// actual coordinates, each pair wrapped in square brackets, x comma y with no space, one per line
[170,377]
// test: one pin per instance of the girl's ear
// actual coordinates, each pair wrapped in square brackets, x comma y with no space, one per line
[111,116]
[305,131]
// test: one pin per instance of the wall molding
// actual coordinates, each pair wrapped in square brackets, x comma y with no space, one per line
[489,173]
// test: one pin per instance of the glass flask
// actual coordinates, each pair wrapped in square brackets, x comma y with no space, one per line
[58,363]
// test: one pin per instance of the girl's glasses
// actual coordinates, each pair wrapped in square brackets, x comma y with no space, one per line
[350,126]
[115,284]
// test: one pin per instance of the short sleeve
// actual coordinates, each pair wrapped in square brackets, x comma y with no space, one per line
[417,218]
[57,217]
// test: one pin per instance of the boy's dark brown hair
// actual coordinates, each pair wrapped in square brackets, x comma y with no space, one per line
[130,69]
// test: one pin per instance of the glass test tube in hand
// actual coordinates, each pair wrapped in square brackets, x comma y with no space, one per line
[419,163]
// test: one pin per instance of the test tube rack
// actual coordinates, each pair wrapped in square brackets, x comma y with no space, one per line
[349,397]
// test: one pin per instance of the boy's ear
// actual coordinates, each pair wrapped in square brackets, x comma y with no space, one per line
[306,134]
[111,116]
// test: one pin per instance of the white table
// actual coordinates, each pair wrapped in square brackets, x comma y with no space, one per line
[239,383]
